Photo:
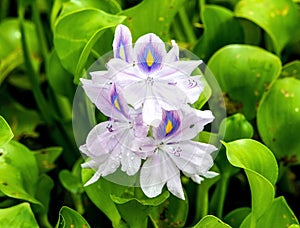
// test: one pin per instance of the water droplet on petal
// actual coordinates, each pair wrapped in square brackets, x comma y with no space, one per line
[132,157]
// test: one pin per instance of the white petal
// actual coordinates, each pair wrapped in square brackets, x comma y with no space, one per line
[93,179]
[191,87]
[174,182]
[168,96]
[173,54]
[210,174]
[191,157]
[101,77]
[122,43]
[136,93]
[152,177]
[152,112]
[101,140]
[124,74]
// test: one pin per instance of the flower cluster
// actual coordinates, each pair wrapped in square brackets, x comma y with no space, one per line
[146,92]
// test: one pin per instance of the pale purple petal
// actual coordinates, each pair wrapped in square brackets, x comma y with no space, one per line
[102,138]
[122,43]
[124,74]
[192,122]
[193,158]
[153,176]
[149,51]
[191,87]
[174,183]
[136,94]
[101,77]
[108,99]
[168,95]
[173,54]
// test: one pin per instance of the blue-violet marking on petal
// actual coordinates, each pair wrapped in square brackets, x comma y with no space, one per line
[169,124]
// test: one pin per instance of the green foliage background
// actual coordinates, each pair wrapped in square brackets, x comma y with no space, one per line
[252,47]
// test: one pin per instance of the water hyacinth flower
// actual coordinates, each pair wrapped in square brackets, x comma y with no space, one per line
[173,151]
[146,92]
[151,78]
[109,143]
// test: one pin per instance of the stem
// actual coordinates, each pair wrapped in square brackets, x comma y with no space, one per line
[223,190]
[202,201]
[186,25]
[40,30]
[77,200]
[32,75]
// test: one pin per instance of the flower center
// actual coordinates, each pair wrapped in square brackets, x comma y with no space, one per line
[150,81]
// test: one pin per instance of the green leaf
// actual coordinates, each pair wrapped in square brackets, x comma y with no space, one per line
[99,193]
[11,54]
[244,72]
[5,132]
[280,19]
[253,155]
[59,79]
[134,213]
[236,127]
[172,212]
[236,217]
[43,194]
[46,157]
[18,216]
[211,221]
[23,121]
[70,218]
[137,194]
[70,182]
[278,119]
[278,213]
[261,169]
[220,29]
[74,38]
[148,16]
[21,175]
[291,69]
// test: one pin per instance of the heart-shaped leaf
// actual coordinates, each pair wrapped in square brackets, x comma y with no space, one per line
[291,69]
[21,175]
[261,169]
[18,216]
[211,221]
[278,119]
[148,16]
[220,29]
[70,218]
[244,72]
[280,19]
[76,32]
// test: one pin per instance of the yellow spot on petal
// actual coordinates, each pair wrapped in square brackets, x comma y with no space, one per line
[116,104]
[122,52]
[149,59]
[169,127]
